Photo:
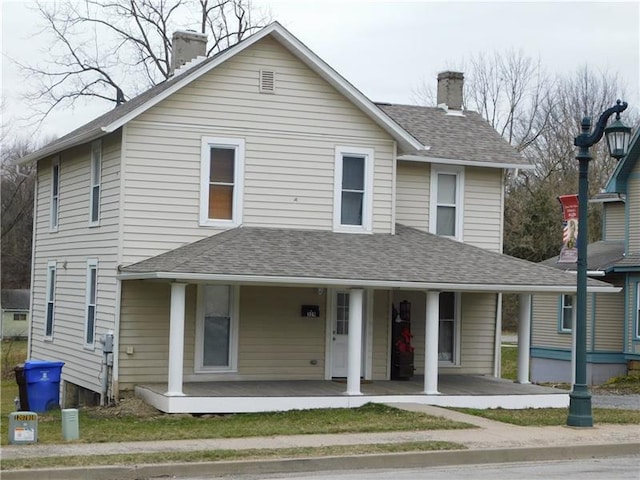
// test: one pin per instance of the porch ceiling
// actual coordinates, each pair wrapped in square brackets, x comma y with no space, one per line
[410,259]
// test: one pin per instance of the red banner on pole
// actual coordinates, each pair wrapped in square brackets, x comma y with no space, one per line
[569,252]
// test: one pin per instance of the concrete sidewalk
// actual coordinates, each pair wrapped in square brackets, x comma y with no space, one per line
[490,441]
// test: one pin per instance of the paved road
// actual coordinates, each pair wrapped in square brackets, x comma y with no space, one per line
[621,468]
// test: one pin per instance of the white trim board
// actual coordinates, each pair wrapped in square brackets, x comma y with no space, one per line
[342,282]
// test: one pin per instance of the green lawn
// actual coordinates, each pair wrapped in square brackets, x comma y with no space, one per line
[368,418]
[541,417]
[509,362]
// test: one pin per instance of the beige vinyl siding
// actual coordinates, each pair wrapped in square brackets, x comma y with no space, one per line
[290,140]
[609,325]
[483,207]
[633,202]
[544,323]
[380,344]
[412,194]
[614,221]
[544,320]
[71,246]
[477,333]
[276,342]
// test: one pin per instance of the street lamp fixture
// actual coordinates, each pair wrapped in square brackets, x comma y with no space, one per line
[618,136]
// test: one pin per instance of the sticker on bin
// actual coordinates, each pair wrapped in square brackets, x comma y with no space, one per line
[21,434]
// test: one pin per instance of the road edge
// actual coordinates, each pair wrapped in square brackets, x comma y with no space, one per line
[316,464]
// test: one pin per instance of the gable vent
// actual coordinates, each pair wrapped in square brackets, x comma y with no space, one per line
[267,81]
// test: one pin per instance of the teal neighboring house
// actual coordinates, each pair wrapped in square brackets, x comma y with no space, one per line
[15,313]
[613,319]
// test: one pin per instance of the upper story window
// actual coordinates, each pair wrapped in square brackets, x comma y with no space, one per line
[55,194]
[353,190]
[50,298]
[221,182]
[91,301]
[446,216]
[566,313]
[94,193]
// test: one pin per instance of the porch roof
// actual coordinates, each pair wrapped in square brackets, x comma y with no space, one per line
[601,256]
[410,259]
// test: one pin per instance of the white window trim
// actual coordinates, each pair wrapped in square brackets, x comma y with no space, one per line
[637,310]
[234,309]
[238,192]
[92,263]
[50,297]
[458,171]
[96,164]
[561,327]
[54,200]
[457,317]
[367,201]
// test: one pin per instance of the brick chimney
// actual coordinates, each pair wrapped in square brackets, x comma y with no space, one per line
[186,46]
[450,89]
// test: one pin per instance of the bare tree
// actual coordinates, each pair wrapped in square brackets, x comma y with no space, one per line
[17,214]
[113,49]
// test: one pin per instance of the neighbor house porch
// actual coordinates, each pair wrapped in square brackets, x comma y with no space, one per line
[473,391]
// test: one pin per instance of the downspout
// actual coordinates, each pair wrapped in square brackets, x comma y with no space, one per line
[497,351]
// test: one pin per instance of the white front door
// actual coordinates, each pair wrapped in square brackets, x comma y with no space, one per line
[340,335]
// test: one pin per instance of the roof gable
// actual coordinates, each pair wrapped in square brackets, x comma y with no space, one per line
[618,181]
[124,113]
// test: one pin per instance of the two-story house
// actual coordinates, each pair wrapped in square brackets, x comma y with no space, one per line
[613,319]
[246,234]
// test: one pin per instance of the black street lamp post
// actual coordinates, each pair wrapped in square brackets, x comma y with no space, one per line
[618,136]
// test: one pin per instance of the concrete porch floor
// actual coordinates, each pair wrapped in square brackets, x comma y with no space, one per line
[471,391]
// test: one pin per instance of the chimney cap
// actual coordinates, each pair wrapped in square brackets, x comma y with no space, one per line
[451,74]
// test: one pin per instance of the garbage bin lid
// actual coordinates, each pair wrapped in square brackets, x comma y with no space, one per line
[31,364]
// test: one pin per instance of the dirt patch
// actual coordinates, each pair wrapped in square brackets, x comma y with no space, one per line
[129,406]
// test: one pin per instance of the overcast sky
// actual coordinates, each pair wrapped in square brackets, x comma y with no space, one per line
[387,49]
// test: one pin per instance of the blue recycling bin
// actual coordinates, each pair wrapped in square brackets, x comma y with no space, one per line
[43,384]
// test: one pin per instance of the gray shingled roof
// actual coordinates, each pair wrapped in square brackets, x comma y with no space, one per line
[630,261]
[467,137]
[15,299]
[408,256]
[602,255]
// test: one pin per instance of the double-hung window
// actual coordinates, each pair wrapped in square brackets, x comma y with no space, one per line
[448,328]
[94,192]
[445,215]
[638,310]
[217,328]
[353,190]
[55,194]
[50,299]
[221,182]
[90,314]
[566,313]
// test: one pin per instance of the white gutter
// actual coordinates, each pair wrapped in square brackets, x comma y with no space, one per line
[453,161]
[347,282]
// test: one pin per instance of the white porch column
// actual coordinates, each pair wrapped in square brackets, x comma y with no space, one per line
[431,343]
[354,359]
[524,338]
[574,321]
[176,339]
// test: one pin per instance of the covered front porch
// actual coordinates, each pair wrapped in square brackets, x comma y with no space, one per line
[472,391]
